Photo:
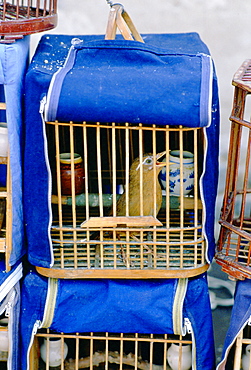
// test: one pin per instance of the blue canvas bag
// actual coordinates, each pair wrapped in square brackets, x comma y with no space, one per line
[167,80]
[13,65]
[119,306]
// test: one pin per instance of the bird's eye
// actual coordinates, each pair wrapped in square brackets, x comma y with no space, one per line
[148,161]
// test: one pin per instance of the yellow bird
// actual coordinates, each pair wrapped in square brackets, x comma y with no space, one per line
[151,204]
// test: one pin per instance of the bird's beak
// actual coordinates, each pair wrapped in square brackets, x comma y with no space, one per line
[158,156]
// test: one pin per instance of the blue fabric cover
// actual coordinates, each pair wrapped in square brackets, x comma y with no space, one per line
[241,312]
[125,81]
[128,306]
[13,65]
[175,66]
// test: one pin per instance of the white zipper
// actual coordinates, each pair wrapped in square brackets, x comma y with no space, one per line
[42,105]
[50,303]
[11,280]
[178,302]
[9,314]
[48,312]
[189,330]
[188,326]
[36,326]
[6,307]
[41,111]
[9,305]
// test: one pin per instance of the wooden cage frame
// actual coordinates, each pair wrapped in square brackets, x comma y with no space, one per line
[181,250]
[111,350]
[234,244]
[24,17]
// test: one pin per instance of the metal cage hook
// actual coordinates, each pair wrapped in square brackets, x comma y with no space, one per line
[109,2]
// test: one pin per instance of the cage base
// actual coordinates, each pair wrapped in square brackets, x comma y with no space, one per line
[233,269]
[121,274]
[27,26]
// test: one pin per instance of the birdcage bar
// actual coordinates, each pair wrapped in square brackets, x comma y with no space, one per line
[106,349]
[140,144]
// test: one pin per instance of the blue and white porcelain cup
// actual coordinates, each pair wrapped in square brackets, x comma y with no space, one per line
[174,173]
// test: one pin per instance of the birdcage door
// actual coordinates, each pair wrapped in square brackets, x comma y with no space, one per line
[126,199]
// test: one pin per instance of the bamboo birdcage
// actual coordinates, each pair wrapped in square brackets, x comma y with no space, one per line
[25,17]
[234,245]
[88,239]
[109,350]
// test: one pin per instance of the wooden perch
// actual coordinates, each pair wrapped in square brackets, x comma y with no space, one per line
[113,358]
[130,221]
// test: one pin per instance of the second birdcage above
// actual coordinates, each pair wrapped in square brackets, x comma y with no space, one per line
[122,180]
[20,18]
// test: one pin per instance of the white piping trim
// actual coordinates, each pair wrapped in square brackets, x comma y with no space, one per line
[210,93]
[41,111]
[11,280]
[202,192]
[47,103]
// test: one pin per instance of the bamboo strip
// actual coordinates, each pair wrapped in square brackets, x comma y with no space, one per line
[181,148]
[85,148]
[140,145]
[121,337]
[196,183]
[114,189]
[127,168]
[99,169]
[238,351]
[60,212]
[74,216]
[131,127]
[121,352]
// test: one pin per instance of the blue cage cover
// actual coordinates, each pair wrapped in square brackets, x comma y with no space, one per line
[168,80]
[13,65]
[119,306]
